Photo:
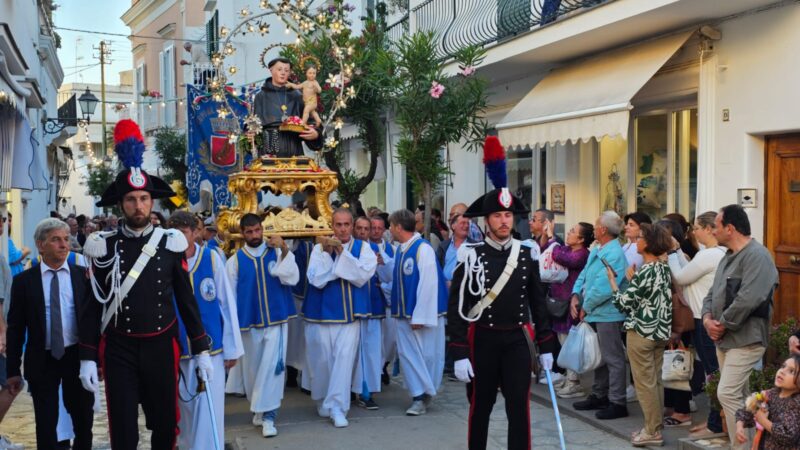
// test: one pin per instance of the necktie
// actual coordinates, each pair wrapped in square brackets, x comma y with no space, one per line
[56,328]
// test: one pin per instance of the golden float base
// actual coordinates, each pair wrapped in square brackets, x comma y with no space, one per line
[280,176]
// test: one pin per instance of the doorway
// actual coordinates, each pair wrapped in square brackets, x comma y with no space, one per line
[782,235]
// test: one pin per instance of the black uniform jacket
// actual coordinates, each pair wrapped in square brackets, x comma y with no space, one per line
[150,306]
[26,318]
[522,295]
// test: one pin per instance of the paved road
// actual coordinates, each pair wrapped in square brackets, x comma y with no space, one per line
[443,428]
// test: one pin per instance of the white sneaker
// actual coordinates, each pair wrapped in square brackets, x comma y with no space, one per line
[323,412]
[5,444]
[268,429]
[558,379]
[339,420]
[630,394]
[258,419]
[570,389]
[417,408]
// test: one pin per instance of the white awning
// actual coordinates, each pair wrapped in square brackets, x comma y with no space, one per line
[591,98]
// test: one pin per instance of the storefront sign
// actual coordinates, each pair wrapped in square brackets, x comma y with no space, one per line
[557,199]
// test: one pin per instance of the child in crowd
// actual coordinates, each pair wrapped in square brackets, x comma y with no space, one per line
[779,416]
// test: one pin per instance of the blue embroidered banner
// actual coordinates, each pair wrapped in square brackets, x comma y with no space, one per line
[211,156]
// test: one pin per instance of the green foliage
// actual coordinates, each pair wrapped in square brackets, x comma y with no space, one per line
[428,123]
[372,79]
[100,176]
[171,150]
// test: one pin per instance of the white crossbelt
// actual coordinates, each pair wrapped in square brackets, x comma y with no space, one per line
[148,251]
[508,270]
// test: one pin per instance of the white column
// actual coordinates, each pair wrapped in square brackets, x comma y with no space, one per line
[706,121]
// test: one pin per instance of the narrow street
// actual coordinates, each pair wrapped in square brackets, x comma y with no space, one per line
[299,427]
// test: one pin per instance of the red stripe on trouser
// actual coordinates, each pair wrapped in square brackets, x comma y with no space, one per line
[176,355]
[527,328]
[471,341]
[102,357]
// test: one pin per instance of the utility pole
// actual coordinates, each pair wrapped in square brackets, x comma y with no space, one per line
[105,52]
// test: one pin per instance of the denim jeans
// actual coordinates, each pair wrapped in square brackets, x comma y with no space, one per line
[707,352]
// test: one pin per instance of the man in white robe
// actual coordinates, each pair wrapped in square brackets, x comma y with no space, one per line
[216,301]
[338,273]
[262,276]
[419,302]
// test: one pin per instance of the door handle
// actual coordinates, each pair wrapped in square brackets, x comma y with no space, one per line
[794,259]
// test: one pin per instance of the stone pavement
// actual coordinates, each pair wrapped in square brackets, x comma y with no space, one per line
[442,428]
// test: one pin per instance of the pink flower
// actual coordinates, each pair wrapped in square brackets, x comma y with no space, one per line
[467,71]
[436,89]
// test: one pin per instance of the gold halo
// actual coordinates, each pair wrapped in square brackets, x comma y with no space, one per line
[267,50]
[313,59]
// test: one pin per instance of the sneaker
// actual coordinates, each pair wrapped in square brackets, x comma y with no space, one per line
[258,419]
[643,439]
[323,412]
[367,404]
[6,444]
[570,389]
[591,402]
[630,394]
[268,429]
[612,411]
[339,420]
[558,379]
[417,408]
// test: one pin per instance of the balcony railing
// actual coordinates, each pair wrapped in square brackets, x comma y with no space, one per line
[203,73]
[458,23]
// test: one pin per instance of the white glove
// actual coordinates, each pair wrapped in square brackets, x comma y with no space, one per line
[463,370]
[204,368]
[546,360]
[88,376]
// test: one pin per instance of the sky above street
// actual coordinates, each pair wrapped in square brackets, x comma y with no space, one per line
[77,53]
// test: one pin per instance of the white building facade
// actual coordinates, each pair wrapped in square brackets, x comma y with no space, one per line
[85,148]
[30,75]
[658,106]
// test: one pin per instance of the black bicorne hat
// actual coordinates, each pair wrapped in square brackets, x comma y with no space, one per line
[499,199]
[129,145]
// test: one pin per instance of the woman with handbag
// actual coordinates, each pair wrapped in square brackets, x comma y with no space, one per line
[572,255]
[677,412]
[695,277]
[647,303]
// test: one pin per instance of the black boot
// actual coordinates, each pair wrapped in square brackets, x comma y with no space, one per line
[613,411]
[385,379]
[591,402]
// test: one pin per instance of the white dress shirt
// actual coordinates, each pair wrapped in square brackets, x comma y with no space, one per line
[69,324]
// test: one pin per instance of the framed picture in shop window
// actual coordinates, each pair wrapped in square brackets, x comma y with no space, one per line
[557,199]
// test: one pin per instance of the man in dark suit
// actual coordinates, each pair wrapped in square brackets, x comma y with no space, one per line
[47,303]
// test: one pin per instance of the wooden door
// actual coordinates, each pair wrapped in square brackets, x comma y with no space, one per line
[782,234]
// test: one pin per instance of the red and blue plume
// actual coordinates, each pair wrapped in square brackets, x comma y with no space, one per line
[128,143]
[494,158]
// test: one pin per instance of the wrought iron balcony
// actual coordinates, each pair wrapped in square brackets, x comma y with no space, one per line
[458,23]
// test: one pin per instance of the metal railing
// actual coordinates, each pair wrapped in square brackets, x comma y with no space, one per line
[458,23]
[396,30]
[203,73]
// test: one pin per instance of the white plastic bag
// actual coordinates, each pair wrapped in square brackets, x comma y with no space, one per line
[581,351]
[678,364]
[549,270]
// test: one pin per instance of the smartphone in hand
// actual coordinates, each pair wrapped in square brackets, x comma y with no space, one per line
[608,266]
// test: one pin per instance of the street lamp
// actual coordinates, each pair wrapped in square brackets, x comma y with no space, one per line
[88,103]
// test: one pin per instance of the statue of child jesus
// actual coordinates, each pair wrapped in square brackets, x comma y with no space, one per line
[311,89]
